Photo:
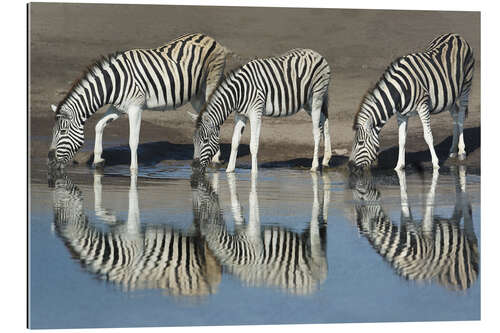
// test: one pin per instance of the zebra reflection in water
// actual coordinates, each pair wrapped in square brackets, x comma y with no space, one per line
[268,256]
[132,255]
[434,249]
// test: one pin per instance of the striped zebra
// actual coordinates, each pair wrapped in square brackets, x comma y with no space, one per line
[266,256]
[132,256]
[434,249]
[185,70]
[274,87]
[438,79]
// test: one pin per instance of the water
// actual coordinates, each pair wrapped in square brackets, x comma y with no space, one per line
[161,249]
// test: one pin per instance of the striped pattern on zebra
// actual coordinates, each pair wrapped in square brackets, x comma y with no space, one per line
[436,80]
[274,87]
[268,256]
[435,249]
[186,69]
[132,256]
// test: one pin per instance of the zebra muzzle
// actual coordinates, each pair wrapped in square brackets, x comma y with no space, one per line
[197,167]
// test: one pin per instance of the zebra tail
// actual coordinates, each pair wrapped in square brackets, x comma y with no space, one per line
[324,112]
[324,106]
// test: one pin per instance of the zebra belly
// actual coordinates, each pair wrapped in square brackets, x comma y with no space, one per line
[156,106]
[279,111]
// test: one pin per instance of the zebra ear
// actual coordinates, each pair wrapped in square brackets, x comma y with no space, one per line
[66,114]
[193,116]
[53,107]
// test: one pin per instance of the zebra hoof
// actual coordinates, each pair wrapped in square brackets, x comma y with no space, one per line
[453,155]
[314,169]
[100,164]
[461,157]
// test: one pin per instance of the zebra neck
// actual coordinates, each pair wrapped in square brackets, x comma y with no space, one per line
[94,89]
[382,102]
[222,104]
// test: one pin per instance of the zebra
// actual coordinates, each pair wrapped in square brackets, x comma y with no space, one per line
[275,87]
[132,256]
[436,249]
[186,69]
[266,256]
[430,82]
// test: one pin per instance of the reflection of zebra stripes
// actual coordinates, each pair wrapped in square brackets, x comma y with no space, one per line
[275,87]
[186,69]
[268,256]
[134,257]
[438,79]
[436,249]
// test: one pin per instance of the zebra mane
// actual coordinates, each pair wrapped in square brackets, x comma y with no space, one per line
[90,70]
[369,96]
[226,77]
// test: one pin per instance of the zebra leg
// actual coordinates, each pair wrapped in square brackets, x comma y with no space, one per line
[215,182]
[239,127]
[405,207]
[133,221]
[403,130]
[425,117]
[328,146]
[103,213]
[454,144]
[460,124]
[326,196]
[239,221]
[428,218]
[109,116]
[318,262]
[253,228]
[326,131]
[134,118]
[315,117]
[255,124]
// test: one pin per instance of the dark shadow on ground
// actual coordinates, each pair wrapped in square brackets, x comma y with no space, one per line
[304,163]
[388,158]
[152,153]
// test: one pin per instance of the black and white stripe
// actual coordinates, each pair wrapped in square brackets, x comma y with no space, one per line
[438,79]
[434,249]
[154,256]
[274,87]
[268,256]
[186,69]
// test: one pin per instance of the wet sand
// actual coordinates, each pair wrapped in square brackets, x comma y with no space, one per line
[358,44]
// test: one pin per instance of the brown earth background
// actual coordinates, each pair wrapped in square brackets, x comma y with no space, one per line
[358,44]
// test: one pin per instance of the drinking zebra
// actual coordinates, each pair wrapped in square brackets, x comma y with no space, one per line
[185,70]
[266,256]
[435,249]
[132,256]
[438,79]
[274,87]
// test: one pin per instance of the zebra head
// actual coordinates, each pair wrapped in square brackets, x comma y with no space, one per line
[206,144]
[365,145]
[363,187]
[67,137]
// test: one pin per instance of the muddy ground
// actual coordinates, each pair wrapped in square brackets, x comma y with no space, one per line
[358,44]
